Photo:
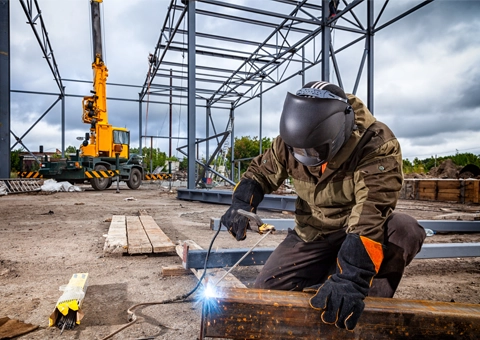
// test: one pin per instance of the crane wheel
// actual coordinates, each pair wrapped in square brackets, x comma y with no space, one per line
[102,182]
[135,179]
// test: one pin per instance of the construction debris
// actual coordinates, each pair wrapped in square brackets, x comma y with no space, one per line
[11,328]
[19,185]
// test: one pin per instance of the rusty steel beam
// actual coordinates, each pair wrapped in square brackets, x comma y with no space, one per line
[281,315]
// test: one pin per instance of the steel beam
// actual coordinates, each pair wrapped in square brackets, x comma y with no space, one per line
[443,226]
[274,202]
[270,314]
[221,258]
[444,250]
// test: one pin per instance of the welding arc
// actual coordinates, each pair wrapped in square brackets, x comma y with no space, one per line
[132,318]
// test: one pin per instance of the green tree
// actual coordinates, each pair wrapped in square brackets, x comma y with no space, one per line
[183,164]
[407,166]
[424,165]
[153,157]
[247,148]
[70,150]
[15,164]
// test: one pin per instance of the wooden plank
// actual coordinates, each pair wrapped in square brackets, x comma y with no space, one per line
[449,184]
[161,243]
[212,275]
[175,270]
[448,197]
[272,315]
[116,240]
[472,192]
[426,196]
[431,184]
[138,242]
[449,191]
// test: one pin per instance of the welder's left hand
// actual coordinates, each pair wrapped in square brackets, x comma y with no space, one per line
[341,297]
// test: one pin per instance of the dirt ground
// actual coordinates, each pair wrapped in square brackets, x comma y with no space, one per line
[45,238]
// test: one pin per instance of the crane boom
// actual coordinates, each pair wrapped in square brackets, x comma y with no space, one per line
[105,151]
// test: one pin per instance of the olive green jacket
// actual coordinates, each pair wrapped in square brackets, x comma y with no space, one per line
[359,188]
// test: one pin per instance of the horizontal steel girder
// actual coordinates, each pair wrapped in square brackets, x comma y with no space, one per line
[271,314]
[221,258]
[440,226]
[273,202]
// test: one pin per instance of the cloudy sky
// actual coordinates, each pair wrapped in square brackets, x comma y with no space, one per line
[427,74]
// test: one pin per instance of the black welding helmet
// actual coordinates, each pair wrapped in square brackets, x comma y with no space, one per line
[316,122]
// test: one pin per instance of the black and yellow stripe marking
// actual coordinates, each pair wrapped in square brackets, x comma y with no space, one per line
[102,174]
[150,177]
[29,174]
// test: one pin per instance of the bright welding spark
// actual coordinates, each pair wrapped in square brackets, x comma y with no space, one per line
[206,296]
[210,291]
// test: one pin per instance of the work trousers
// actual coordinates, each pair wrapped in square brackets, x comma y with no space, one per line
[296,264]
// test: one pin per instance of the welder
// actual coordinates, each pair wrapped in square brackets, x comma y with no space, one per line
[346,166]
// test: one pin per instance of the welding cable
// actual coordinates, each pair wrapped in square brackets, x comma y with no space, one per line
[132,318]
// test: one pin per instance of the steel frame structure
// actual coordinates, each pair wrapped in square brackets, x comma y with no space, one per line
[286,48]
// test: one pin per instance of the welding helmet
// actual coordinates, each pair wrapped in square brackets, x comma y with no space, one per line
[316,122]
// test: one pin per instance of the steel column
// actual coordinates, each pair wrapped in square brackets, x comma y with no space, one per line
[326,40]
[232,144]
[370,62]
[140,113]
[5,88]
[191,95]
[63,122]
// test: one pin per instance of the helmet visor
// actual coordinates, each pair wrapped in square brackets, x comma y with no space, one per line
[310,156]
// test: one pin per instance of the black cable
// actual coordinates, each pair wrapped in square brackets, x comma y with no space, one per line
[132,318]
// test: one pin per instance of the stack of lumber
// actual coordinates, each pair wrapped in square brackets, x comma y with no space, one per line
[136,235]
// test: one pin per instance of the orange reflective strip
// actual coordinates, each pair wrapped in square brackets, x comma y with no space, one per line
[374,250]
[324,166]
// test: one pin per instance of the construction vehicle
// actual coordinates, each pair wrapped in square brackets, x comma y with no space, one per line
[105,150]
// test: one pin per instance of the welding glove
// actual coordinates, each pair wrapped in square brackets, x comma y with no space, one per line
[247,195]
[341,296]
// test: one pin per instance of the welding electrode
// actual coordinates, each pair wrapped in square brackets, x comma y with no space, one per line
[263,228]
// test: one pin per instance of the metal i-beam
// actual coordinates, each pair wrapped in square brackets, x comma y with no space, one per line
[221,258]
[274,202]
[272,315]
[440,226]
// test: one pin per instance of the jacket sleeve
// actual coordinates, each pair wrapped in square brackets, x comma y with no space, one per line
[378,179]
[269,168]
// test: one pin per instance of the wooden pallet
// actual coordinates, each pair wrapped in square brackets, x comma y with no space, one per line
[136,235]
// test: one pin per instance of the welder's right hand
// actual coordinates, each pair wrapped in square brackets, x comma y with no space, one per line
[247,195]
[236,224]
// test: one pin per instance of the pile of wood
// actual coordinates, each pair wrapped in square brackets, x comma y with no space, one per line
[446,190]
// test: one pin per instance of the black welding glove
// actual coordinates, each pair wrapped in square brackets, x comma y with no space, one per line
[341,296]
[247,195]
